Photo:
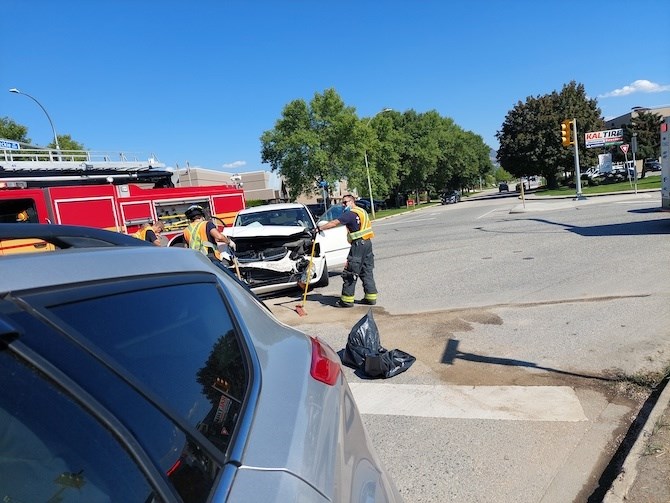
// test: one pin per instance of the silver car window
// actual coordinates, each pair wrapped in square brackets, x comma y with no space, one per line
[177,340]
[53,450]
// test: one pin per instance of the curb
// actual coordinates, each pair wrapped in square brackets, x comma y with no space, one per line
[619,490]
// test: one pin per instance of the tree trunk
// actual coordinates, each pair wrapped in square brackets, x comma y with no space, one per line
[552,181]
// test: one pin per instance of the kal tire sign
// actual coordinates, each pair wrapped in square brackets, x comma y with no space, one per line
[603,138]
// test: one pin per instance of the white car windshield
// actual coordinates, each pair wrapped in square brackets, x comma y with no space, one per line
[293,217]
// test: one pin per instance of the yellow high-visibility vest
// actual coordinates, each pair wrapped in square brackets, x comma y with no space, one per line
[365,232]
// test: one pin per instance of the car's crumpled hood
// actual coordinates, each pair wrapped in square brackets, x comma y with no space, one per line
[272,247]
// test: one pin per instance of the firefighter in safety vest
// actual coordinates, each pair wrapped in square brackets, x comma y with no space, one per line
[28,216]
[202,234]
[151,232]
[361,260]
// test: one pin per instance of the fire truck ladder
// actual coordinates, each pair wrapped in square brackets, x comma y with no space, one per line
[39,167]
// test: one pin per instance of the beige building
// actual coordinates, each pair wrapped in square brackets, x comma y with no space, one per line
[625,119]
[257,185]
[622,120]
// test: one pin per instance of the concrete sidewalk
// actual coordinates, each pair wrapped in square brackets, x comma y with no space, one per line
[547,203]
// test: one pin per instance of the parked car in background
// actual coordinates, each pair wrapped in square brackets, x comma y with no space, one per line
[274,245]
[365,204]
[317,209]
[166,381]
[592,173]
[450,197]
[503,187]
[652,165]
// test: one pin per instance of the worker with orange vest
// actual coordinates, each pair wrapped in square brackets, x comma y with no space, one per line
[361,260]
[151,232]
[202,234]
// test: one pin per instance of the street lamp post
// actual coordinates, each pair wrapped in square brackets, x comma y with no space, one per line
[53,129]
[367,166]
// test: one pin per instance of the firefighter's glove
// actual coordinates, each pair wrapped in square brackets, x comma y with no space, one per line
[231,244]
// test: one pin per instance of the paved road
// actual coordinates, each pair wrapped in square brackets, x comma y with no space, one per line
[523,319]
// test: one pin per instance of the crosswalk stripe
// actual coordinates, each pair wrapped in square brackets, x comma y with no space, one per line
[521,403]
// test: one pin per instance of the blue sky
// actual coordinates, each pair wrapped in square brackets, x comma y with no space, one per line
[200,81]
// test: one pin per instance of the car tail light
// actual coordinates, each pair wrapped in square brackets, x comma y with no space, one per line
[325,363]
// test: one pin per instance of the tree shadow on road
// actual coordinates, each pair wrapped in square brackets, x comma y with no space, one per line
[646,227]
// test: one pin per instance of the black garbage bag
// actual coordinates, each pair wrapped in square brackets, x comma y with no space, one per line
[364,351]
[388,363]
[363,341]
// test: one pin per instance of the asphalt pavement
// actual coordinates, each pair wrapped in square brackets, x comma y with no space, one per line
[626,466]
[589,436]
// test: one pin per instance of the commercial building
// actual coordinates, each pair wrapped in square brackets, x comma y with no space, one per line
[263,186]
[257,185]
[625,119]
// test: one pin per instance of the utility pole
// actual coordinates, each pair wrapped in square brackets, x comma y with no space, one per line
[633,147]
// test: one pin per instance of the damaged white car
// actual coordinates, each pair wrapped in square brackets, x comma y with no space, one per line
[274,245]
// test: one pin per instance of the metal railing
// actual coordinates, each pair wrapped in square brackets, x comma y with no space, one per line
[54,159]
[54,155]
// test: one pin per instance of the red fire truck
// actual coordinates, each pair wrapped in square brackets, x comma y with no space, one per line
[101,196]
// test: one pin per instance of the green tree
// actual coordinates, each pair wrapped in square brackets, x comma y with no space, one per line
[10,130]
[436,154]
[420,150]
[313,143]
[646,125]
[381,141]
[324,141]
[530,140]
[471,161]
[572,102]
[521,146]
[67,143]
[501,175]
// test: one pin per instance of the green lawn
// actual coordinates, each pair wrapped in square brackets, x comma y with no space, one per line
[402,209]
[649,182]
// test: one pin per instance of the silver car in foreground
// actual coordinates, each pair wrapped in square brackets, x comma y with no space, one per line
[144,374]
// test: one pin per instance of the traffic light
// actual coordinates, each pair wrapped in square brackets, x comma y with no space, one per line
[566,133]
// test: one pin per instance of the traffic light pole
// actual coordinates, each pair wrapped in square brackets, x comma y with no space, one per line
[578,175]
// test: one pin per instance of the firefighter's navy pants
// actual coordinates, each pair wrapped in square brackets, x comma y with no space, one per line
[360,263]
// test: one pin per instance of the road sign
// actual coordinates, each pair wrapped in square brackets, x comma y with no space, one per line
[624,148]
[603,138]
[8,144]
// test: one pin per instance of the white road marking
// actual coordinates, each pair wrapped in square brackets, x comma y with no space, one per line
[488,213]
[520,403]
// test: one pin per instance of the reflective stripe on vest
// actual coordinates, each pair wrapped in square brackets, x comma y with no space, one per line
[196,235]
[365,231]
